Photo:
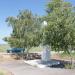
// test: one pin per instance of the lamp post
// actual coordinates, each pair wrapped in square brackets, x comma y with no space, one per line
[44,24]
[46,52]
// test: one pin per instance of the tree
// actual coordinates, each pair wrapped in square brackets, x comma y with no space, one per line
[26,30]
[60,32]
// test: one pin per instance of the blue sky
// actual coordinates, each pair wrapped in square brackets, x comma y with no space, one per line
[12,7]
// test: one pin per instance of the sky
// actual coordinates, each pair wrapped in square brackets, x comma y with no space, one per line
[12,7]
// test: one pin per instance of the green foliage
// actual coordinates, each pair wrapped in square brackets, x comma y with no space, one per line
[60,32]
[69,66]
[4,47]
[26,30]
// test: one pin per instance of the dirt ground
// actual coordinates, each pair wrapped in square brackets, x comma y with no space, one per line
[20,68]
[6,57]
[9,57]
[58,57]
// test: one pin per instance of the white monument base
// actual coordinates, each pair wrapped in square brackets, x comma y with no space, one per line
[45,54]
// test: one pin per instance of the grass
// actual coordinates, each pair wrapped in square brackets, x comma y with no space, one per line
[4,72]
[66,55]
[4,47]
[36,49]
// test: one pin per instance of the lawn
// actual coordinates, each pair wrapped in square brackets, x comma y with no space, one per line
[4,72]
[66,55]
[35,49]
[4,47]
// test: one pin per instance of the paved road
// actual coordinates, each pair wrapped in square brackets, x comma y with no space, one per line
[20,68]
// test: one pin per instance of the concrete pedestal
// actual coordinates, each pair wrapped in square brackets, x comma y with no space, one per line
[45,54]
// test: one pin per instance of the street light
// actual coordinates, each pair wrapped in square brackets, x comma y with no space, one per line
[44,23]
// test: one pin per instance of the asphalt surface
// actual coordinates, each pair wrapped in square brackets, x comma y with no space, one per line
[21,68]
